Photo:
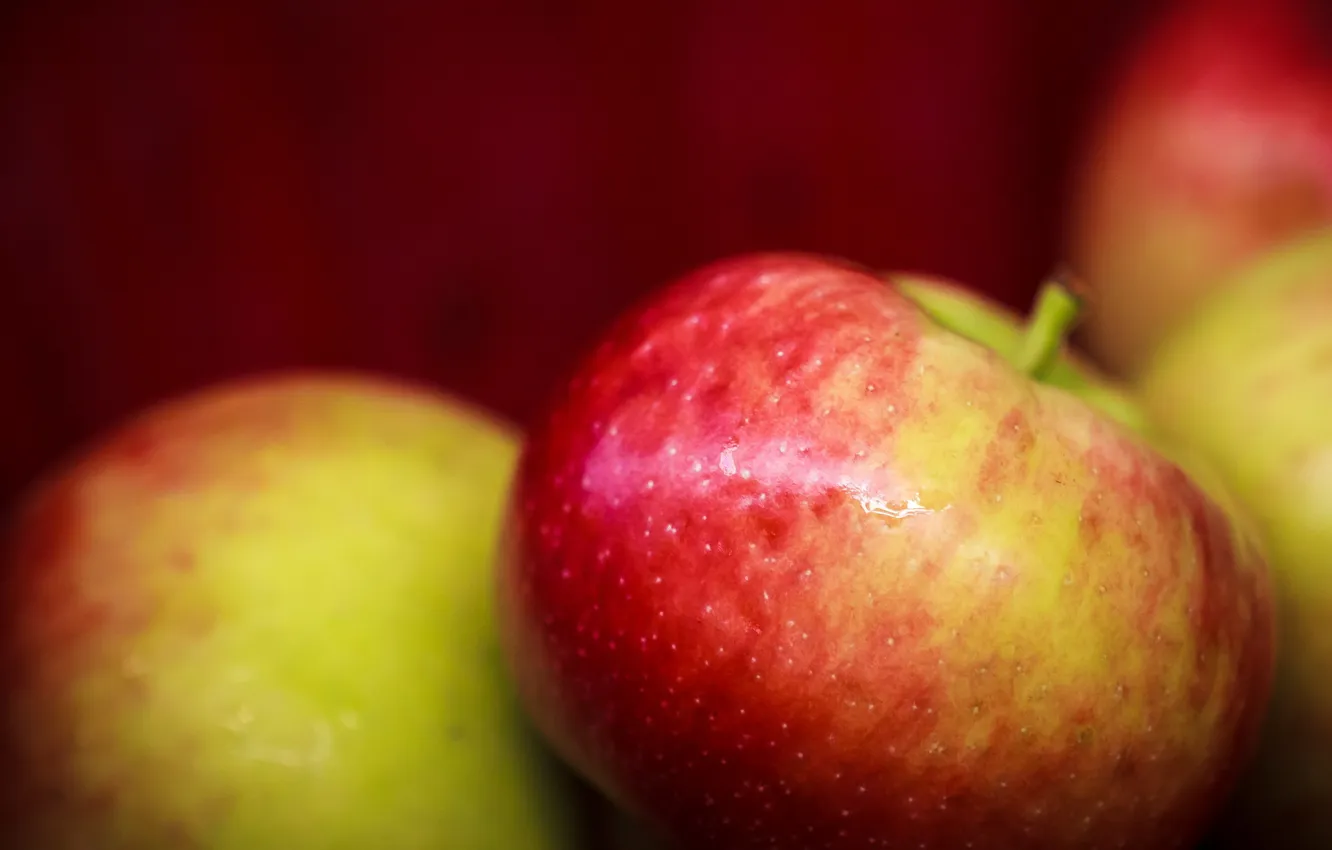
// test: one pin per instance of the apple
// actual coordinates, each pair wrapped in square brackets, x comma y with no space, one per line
[1248,380]
[260,616]
[1215,146]
[790,564]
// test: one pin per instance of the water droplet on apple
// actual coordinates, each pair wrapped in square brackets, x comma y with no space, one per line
[727,459]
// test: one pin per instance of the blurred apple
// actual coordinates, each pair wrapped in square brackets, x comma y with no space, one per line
[260,617]
[1216,145]
[1248,380]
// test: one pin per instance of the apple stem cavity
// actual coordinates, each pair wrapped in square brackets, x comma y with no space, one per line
[1056,312]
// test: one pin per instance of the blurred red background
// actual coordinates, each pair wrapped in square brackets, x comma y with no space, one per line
[467,192]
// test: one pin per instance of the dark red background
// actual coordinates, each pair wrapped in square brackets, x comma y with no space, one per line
[467,192]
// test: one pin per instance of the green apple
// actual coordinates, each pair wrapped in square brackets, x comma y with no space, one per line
[260,617]
[1248,380]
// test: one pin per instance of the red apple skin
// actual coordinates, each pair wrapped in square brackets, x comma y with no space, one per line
[1215,145]
[712,611]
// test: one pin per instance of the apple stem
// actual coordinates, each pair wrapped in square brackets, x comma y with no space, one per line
[1056,312]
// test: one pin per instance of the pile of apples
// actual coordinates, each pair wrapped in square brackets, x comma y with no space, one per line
[802,555]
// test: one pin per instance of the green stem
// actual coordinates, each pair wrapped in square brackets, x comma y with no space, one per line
[1056,312]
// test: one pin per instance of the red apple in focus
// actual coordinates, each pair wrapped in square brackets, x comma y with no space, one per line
[1216,145]
[791,564]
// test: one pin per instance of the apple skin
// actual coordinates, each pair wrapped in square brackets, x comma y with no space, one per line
[1248,381]
[790,565]
[1215,146]
[261,616]
[989,323]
